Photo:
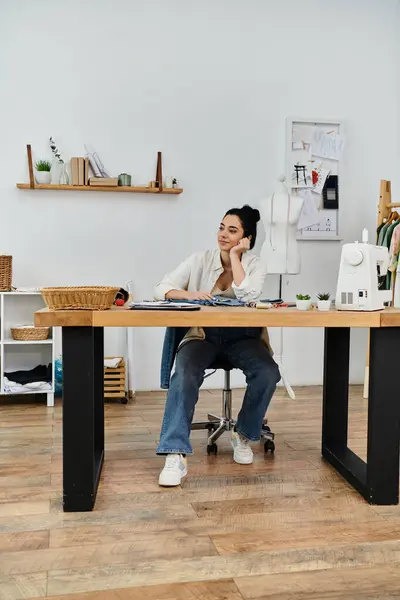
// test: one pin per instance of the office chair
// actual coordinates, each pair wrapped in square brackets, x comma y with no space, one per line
[217,425]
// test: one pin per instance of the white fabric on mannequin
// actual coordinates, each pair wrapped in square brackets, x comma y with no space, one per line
[280,214]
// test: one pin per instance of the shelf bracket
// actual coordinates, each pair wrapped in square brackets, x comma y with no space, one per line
[30,165]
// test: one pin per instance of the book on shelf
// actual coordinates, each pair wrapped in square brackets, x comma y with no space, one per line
[94,166]
[103,181]
[74,171]
[86,172]
[81,166]
[79,170]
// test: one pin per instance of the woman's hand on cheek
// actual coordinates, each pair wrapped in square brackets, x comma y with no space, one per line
[242,246]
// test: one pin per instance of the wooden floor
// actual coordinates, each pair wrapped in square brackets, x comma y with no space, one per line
[287,527]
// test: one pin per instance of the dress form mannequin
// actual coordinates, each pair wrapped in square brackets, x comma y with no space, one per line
[280,214]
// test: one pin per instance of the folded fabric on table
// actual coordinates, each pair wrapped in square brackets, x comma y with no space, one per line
[41,373]
[12,387]
[216,301]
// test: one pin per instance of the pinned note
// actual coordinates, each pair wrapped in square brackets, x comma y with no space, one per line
[320,175]
[327,145]
[309,215]
[297,146]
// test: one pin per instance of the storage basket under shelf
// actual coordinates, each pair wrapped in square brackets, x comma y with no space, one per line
[114,382]
[29,333]
[79,298]
[5,273]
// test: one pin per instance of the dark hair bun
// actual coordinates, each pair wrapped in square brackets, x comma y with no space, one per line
[252,214]
[249,218]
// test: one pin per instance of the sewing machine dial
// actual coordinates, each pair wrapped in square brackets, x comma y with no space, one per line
[353,256]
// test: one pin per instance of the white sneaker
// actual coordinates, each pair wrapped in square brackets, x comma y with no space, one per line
[242,453]
[174,470]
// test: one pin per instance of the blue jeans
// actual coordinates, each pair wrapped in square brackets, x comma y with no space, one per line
[243,348]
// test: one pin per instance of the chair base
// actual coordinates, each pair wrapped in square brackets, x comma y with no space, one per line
[218,425]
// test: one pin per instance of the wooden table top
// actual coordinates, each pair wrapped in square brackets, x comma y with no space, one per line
[217,317]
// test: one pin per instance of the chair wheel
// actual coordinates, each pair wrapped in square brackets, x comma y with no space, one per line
[124,400]
[269,446]
[212,449]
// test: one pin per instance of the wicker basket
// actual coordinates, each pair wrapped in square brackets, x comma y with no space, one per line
[79,298]
[5,273]
[30,333]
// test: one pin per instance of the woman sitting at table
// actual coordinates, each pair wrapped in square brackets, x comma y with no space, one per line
[234,272]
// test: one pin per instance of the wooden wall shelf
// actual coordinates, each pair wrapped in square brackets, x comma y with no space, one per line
[98,188]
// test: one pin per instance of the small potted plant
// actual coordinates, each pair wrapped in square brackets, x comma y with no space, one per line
[43,175]
[303,302]
[324,301]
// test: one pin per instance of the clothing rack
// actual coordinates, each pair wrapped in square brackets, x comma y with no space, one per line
[385,207]
[385,202]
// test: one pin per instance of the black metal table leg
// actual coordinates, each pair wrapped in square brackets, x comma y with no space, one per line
[83,415]
[336,388]
[378,478]
[383,417]
[335,408]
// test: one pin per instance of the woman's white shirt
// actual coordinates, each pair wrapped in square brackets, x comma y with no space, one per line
[201,271]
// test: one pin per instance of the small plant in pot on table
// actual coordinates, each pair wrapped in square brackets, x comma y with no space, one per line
[303,302]
[43,175]
[324,301]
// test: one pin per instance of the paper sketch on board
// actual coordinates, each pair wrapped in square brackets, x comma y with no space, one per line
[301,175]
[327,145]
[327,224]
[320,175]
[309,215]
[302,132]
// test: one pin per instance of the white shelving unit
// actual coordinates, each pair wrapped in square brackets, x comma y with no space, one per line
[18,308]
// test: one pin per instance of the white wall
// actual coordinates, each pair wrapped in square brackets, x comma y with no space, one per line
[208,82]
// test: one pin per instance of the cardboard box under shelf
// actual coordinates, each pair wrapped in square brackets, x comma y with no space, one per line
[114,381]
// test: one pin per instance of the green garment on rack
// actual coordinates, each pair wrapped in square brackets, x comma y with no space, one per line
[382,233]
[388,235]
[379,230]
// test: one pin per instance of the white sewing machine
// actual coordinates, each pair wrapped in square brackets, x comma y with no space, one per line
[360,266]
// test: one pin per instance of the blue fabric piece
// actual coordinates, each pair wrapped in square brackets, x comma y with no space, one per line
[58,376]
[172,339]
[218,301]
